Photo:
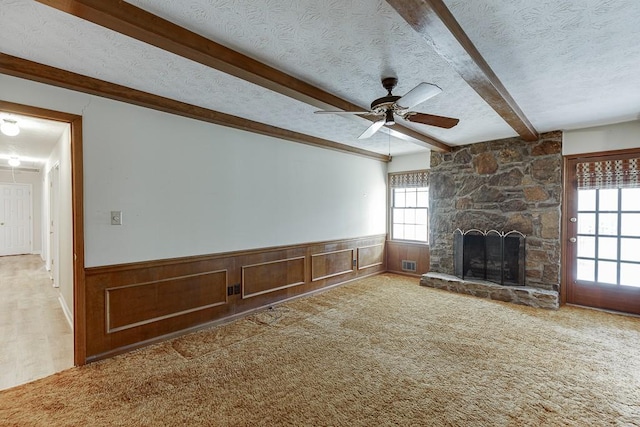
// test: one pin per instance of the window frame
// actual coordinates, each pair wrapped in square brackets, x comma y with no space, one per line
[391,206]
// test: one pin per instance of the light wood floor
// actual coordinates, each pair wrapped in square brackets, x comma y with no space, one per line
[35,338]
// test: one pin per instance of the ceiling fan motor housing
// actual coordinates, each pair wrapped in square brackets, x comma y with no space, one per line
[381,105]
[386,103]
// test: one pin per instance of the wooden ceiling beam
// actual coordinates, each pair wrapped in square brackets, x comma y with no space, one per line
[435,23]
[18,67]
[141,25]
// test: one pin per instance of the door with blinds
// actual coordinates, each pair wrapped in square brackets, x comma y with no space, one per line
[603,231]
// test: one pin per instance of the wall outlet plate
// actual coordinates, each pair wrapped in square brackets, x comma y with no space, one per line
[116,217]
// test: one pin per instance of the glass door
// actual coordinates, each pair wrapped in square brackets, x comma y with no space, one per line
[603,248]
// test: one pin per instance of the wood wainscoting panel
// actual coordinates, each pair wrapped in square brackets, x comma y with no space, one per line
[330,264]
[407,251]
[138,304]
[370,256]
[270,276]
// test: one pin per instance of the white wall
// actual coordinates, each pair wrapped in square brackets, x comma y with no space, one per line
[61,155]
[410,162]
[35,179]
[187,187]
[601,138]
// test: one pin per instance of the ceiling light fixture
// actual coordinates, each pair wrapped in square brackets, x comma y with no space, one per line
[9,127]
[14,162]
[389,118]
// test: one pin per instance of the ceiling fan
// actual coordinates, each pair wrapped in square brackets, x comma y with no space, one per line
[389,105]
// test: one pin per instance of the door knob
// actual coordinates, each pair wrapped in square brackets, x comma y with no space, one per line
[573,240]
[573,219]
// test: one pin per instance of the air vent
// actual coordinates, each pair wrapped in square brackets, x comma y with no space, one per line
[408,265]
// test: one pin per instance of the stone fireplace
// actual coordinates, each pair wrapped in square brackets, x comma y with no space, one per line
[502,185]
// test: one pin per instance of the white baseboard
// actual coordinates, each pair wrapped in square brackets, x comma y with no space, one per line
[66,311]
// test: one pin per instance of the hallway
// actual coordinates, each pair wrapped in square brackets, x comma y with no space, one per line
[35,337]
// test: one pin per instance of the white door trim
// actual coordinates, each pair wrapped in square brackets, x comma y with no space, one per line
[53,225]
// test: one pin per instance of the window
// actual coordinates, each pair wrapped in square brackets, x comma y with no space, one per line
[609,236]
[409,206]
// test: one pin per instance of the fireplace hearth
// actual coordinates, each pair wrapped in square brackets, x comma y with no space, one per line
[491,255]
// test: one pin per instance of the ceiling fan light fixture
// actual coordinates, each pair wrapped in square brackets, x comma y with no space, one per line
[389,118]
[9,127]
[14,162]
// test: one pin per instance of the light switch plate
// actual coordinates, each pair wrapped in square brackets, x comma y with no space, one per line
[116,217]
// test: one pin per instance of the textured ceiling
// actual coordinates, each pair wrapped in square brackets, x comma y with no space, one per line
[567,64]
[35,141]
[343,47]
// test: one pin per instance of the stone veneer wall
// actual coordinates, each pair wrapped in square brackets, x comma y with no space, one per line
[505,185]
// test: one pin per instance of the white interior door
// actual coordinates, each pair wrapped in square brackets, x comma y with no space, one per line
[15,219]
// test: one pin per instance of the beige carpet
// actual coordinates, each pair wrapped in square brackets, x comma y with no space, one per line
[381,351]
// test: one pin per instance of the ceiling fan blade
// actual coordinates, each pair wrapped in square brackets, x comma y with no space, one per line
[371,129]
[418,94]
[343,112]
[430,119]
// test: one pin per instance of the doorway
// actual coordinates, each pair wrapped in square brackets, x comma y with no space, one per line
[602,196]
[74,252]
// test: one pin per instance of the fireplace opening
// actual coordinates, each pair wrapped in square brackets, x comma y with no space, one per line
[490,255]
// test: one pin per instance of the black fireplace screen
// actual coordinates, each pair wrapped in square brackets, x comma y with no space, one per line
[490,255]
